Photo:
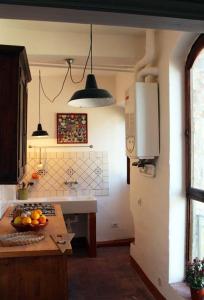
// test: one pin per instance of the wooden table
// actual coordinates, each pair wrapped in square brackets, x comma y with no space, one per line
[37,271]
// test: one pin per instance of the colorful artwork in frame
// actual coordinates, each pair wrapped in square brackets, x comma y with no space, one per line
[72,128]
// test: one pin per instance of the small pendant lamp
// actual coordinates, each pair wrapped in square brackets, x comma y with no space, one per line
[91,96]
[39,132]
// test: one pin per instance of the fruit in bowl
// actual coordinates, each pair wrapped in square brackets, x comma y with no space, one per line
[25,221]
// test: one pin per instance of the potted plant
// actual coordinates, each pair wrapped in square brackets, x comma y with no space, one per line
[23,190]
[195,278]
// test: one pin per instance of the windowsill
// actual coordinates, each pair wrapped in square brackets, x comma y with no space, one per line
[182,289]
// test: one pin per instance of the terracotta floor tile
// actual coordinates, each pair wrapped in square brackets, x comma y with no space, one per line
[110,276]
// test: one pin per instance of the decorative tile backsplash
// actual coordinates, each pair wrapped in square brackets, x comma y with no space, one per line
[88,169]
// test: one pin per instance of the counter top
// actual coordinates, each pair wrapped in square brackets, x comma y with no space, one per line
[69,204]
[57,199]
[56,225]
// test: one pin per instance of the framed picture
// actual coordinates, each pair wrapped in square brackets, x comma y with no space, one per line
[72,128]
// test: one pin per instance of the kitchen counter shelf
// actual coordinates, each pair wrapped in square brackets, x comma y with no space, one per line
[37,271]
[46,247]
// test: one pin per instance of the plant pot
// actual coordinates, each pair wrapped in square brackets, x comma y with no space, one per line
[22,194]
[197,294]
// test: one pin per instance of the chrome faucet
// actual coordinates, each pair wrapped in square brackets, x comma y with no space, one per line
[70,184]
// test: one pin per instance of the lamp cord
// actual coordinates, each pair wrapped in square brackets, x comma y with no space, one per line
[87,59]
[83,74]
[91,42]
[60,91]
[85,67]
[39,95]
[69,69]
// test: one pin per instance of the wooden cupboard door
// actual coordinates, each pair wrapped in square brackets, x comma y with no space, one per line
[14,76]
[34,278]
[8,119]
[20,132]
[25,107]
[22,127]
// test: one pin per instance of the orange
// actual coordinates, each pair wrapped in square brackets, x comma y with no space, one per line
[39,211]
[35,215]
[35,176]
[35,222]
[42,219]
[26,220]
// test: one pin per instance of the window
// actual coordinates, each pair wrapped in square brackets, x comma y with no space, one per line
[194,73]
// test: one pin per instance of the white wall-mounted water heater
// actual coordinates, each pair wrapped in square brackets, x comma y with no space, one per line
[142,120]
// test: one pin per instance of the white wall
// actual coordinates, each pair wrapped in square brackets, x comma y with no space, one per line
[7,194]
[106,133]
[159,221]
[151,218]
[123,82]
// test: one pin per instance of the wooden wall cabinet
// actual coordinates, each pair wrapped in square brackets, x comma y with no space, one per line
[14,76]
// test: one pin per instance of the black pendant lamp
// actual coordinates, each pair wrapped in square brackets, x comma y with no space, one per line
[91,96]
[39,132]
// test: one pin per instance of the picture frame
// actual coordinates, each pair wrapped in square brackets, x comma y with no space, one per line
[72,128]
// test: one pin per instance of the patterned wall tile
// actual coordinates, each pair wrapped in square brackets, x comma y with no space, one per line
[89,169]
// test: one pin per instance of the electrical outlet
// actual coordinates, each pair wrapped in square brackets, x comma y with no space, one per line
[139,201]
[114,225]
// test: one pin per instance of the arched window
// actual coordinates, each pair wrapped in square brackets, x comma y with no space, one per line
[194,131]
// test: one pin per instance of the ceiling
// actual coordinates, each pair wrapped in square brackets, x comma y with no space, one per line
[115,49]
[73,27]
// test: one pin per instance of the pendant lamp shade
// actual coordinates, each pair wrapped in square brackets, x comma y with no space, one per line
[39,132]
[91,96]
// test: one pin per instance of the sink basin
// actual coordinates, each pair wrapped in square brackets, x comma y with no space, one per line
[76,204]
[69,204]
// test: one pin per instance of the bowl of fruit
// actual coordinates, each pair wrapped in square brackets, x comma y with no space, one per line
[30,220]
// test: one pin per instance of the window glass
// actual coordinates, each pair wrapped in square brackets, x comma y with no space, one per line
[197,122]
[197,229]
